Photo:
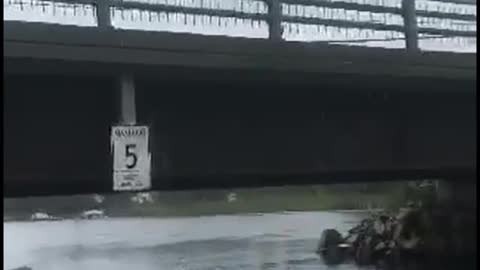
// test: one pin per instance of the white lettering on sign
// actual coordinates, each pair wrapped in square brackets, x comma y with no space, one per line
[131,158]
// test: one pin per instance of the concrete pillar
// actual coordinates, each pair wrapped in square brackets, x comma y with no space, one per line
[128,115]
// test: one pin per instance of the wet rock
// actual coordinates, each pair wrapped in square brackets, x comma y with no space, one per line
[329,248]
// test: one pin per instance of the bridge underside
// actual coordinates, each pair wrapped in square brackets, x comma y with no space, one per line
[230,112]
[233,127]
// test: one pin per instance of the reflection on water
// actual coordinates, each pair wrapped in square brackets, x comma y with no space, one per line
[266,241]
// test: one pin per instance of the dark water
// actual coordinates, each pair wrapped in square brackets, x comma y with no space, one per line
[263,241]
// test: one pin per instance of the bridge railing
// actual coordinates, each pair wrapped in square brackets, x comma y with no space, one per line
[408,21]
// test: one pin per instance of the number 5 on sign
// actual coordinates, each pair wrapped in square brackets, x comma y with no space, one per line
[130,153]
[131,158]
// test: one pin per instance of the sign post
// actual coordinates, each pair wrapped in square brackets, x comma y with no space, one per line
[131,158]
[129,142]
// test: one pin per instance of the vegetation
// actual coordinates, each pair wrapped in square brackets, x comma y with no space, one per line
[211,202]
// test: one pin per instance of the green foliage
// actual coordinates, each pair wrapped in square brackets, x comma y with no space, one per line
[211,202]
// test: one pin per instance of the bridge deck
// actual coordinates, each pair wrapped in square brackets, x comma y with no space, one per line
[127,50]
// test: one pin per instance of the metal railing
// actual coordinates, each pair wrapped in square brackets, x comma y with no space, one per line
[276,18]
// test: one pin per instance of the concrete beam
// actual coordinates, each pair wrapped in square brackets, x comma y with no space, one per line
[128,48]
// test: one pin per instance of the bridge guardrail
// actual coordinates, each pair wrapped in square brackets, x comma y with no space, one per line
[277,14]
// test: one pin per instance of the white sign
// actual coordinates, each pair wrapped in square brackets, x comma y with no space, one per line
[131,158]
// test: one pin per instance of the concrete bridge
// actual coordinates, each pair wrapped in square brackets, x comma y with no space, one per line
[232,111]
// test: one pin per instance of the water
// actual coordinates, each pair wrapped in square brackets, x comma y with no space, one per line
[258,241]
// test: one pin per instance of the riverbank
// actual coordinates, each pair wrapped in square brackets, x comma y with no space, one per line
[213,202]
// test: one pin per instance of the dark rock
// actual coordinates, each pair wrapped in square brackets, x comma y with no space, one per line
[328,247]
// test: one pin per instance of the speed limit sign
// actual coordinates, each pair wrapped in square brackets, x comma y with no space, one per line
[131,158]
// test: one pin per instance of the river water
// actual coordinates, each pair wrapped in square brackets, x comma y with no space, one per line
[253,241]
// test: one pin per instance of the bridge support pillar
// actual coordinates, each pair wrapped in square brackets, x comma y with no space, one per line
[128,113]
